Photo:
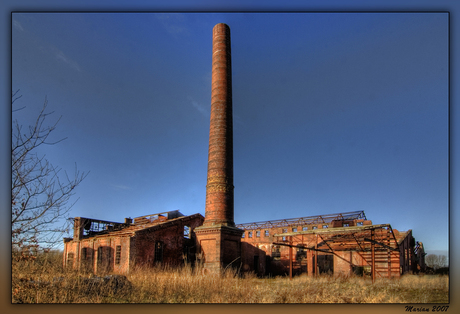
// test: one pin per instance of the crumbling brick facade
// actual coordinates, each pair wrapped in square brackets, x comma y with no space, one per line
[339,244]
[167,238]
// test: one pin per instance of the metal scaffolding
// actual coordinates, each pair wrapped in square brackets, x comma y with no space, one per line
[318,219]
[372,242]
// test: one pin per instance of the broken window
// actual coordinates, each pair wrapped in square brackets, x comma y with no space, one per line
[325,226]
[118,254]
[86,258]
[294,229]
[104,259]
[300,254]
[267,233]
[258,233]
[86,255]
[304,228]
[276,254]
[284,230]
[315,227]
[250,234]
[187,232]
[346,225]
[99,254]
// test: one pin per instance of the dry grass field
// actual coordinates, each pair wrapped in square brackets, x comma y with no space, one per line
[44,281]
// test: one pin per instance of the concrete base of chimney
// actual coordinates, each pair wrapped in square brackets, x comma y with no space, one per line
[220,247]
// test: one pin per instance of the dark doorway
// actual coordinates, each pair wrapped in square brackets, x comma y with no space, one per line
[87,259]
[104,259]
[158,258]
[325,263]
[256,264]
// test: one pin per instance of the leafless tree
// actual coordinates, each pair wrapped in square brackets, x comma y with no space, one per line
[40,192]
[436,261]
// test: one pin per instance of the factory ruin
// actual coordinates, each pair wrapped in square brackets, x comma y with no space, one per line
[340,244]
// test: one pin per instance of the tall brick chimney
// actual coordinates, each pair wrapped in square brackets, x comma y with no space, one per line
[219,188]
[218,238]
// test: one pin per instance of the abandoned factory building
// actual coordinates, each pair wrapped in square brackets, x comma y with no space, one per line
[104,247]
[343,243]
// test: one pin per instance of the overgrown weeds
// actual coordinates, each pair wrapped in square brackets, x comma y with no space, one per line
[45,281]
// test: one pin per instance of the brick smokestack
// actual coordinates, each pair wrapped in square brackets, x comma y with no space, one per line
[219,187]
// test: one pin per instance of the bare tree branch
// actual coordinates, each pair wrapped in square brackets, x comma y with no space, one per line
[40,192]
[436,261]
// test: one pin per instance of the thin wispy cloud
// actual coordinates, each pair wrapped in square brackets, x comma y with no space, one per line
[201,109]
[60,56]
[121,187]
[171,22]
[18,25]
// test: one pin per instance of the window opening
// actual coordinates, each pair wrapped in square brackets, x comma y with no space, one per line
[187,232]
[258,233]
[300,254]
[267,233]
[276,254]
[99,254]
[118,254]
[250,234]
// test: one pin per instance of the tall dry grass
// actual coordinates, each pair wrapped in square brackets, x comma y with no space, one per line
[35,282]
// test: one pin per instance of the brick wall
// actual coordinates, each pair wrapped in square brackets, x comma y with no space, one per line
[120,252]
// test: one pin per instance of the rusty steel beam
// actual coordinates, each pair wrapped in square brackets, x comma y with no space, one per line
[334,230]
[388,254]
[379,273]
[302,220]
[359,244]
[381,244]
[394,237]
[332,251]
[372,256]
[290,258]
[316,256]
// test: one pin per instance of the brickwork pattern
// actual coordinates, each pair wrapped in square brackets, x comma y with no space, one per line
[219,188]
[98,254]
[388,263]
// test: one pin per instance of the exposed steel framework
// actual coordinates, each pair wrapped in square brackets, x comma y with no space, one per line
[91,227]
[154,217]
[303,220]
[373,243]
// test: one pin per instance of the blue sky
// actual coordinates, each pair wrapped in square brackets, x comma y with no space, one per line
[333,112]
